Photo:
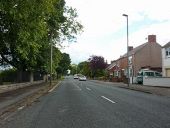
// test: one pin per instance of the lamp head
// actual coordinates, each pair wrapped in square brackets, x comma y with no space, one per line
[125,15]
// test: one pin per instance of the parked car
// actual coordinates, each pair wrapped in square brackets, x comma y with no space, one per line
[82,78]
[147,73]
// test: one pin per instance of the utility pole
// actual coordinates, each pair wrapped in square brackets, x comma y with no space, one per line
[127,50]
[51,65]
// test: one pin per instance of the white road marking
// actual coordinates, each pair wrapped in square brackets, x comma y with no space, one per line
[78,87]
[88,88]
[108,99]
[54,87]
[20,108]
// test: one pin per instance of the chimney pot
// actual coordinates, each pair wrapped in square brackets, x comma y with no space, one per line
[151,38]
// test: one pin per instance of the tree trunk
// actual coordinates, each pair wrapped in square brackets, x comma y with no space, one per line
[31,76]
[45,78]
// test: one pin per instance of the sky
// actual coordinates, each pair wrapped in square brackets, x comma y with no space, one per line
[105,28]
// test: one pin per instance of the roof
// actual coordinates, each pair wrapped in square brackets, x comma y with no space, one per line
[135,50]
[111,66]
[166,45]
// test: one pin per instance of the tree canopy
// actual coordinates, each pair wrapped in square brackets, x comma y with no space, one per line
[64,64]
[29,27]
[84,68]
[93,67]
[97,65]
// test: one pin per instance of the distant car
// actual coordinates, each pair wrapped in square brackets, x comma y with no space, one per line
[82,78]
[76,76]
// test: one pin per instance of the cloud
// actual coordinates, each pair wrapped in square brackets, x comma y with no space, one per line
[105,27]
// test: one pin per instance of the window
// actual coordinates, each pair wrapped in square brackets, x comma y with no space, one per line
[130,72]
[149,73]
[167,51]
[158,74]
[115,73]
[130,60]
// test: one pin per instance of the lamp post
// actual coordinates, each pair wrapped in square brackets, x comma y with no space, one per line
[125,15]
[51,63]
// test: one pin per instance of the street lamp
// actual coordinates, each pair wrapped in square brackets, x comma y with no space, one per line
[127,50]
[51,63]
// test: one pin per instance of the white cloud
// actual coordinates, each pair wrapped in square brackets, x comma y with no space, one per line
[102,19]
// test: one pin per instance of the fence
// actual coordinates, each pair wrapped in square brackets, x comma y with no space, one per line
[10,77]
[161,82]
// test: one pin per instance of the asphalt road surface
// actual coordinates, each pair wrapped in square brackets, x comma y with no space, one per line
[86,104]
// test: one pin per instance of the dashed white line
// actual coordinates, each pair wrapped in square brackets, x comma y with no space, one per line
[88,88]
[78,87]
[108,99]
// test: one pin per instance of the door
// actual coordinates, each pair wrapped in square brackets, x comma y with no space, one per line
[168,72]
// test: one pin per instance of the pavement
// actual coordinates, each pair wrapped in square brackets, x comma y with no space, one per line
[11,87]
[161,91]
[91,104]
[18,97]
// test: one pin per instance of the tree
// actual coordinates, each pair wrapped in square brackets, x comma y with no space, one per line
[64,64]
[84,68]
[74,68]
[97,65]
[22,31]
[29,27]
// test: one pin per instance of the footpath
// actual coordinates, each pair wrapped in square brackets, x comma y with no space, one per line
[16,97]
[161,91]
[11,87]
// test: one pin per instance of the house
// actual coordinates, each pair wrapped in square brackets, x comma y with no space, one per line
[166,60]
[147,55]
[113,71]
[110,68]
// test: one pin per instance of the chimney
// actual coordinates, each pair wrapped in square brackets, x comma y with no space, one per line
[130,48]
[151,38]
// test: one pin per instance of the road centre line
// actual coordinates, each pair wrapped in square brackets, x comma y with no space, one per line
[108,99]
[77,86]
[88,88]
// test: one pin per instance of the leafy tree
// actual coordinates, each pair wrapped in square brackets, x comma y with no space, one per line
[29,27]
[97,65]
[45,60]
[84,68]
[74,68]
[64,64]
[22,30]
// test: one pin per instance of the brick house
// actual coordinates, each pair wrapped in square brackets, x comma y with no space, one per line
[113,71]
[166,60]
[147,55]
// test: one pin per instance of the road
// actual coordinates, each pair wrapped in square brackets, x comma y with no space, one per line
[86,104]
